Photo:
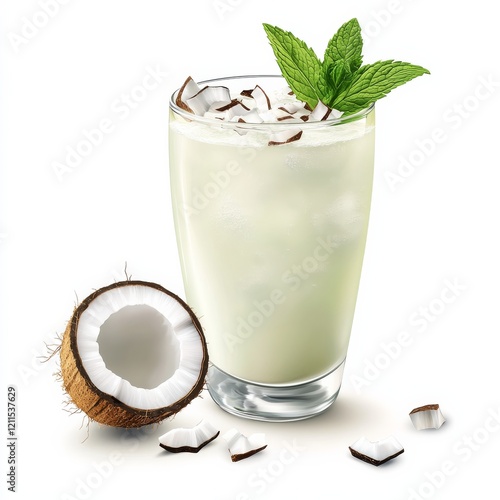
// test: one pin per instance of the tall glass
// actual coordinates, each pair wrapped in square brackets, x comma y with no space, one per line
[271,241]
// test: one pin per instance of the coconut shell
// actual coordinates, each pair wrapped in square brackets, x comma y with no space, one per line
[102,407]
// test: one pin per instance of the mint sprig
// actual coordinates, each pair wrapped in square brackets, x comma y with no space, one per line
[339,81]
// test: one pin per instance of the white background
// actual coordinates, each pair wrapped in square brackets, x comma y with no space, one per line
[64,235]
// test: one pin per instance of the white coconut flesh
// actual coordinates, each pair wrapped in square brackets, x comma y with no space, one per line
[140,346]
[427,417]
[241,446]
[133,354]
[376,452]
[189,439]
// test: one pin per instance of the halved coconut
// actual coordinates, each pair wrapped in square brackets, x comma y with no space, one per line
[133,354]
[190,440]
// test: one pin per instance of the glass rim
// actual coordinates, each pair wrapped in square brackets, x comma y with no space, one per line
[227,124]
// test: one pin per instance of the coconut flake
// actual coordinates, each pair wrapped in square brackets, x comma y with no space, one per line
[246,93]
[376,452]
[281,114]
[291,107]
[427,417]
[234,108]
[190,440]
[261,98]
[335,113]
[320,112]
[253,106]
[229,105]
[241,447]
[285,117]
[189,89]
[219,105]
[284,137]
[250,117]
[206,97]
[216,115]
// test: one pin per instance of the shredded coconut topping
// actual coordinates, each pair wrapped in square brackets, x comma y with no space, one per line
[252,106]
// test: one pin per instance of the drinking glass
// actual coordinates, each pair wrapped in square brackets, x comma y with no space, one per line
[271,241]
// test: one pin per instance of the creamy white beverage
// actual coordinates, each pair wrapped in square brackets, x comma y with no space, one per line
[271,236]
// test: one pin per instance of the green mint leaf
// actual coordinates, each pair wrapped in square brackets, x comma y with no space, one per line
[372,82]
[342,59]
[298,63]
[333,78]
[339,73]
[326,91]
[346,45]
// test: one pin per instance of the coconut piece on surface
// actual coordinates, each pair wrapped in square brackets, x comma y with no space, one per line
[284,137]
[376,452]
[427,417]
[133,354]
[190,440]
[241,447]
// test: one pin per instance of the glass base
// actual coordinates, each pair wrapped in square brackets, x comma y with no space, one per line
[274,403]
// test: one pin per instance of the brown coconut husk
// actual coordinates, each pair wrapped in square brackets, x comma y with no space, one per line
[101,407]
